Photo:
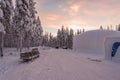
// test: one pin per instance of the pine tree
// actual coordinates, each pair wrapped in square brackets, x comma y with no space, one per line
[108,28]
[83,30]
[71,38]
[78,32]
[67,33]
[27,27]
[1,16]
[22,20]
[65,37]
[119,27]
[59,40]
[7,20]
[45,41]
[111,27]
[51,40]
[1,32]
[37,33]
[101,28]
[54,42]
[8,9]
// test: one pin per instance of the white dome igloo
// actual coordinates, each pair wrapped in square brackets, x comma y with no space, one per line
[93,41]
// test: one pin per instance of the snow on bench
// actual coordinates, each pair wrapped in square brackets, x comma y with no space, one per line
[27,56]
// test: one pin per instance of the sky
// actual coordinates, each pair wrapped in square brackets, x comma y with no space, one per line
[77,14]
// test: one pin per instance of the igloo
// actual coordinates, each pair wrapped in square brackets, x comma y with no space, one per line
[96,41]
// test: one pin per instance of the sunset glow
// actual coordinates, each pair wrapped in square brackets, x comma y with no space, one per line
[77,14]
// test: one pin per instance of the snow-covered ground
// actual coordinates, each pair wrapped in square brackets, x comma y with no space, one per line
[59,64]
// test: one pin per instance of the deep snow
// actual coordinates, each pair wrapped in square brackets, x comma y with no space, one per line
[59,64]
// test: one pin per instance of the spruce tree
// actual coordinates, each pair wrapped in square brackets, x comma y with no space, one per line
[71,38]
[27,26]
[22,20]
[119,27]
[8,9]
[1,32]
[67,37]
[37,33]
[59,40]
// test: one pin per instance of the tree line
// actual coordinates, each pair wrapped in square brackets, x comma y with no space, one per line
[117,27]
[63,39]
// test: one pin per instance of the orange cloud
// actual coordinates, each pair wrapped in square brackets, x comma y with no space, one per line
[75,7]
[80,13]
[52,20]
[72,7]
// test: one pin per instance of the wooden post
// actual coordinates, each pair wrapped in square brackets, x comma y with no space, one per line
[2,43]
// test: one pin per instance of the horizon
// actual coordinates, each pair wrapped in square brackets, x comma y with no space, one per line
[77,14]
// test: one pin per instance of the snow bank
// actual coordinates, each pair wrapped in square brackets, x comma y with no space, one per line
[93,41]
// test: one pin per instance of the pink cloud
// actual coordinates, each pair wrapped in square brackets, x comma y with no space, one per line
[84,12]
[75,7]
[72,7]
[52,20]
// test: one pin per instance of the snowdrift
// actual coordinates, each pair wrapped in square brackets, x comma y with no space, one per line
[94,41]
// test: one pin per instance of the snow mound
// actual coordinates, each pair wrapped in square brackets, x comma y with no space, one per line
[93,41]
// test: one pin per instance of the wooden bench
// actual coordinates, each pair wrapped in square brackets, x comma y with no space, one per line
[27,56]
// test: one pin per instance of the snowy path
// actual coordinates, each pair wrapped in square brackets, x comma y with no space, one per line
[58,65]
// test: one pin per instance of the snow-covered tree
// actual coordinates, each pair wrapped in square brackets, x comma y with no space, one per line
[118,27]
[45,41]
[22,20]
[8,9]
[101,27]
[83,30]
[27,27]
[70,37]
[37,32]
[65,37]
[1,13]
[108,28]
[78,32]
[1,30]
[59,42]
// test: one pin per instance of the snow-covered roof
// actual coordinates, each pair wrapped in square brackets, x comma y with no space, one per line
[93,40]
